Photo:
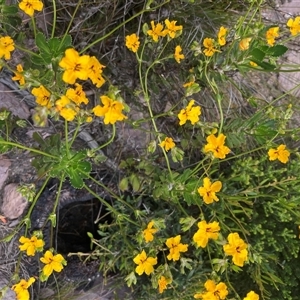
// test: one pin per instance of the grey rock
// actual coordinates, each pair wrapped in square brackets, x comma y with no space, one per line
[14,203]
[4,166]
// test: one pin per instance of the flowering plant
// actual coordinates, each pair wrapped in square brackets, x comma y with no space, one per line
[196,216]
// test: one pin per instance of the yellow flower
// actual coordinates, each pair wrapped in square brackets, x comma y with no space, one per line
[95,71]
[148,232]
[52,263]
[62,102]
[6,46]
[189,83]
[172,28]
[111,110]
[189,113]
[21,288]
[31,245]
[271,34]
[294,25]
[237,248]
[244,44]
[167,144]
[209,44]
[221,36]
[162,283]
[132,42]
[68,113]
[77,95]
[29,6]
[214,292]
[280,153]
[75,66]
[208,190]
[205,232]
[145,264]
[251,296]
[156,31]
[42,96]
[89,119]
[216,145]
[253,64]
[177,55]
[175,247]
[18,75]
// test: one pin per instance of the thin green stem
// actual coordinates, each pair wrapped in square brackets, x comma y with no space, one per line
[121,25]
[230,285]
[199,165]
[144,84]
[109,191]
[74,134]
[54,18]
[33,25]
[67,139]
[55,208]
[71,21]
[58,291]
[109,141]
[6,130]
[219,99]
[34,202]
[139,60]
[27,148]
[111,208]
[26,50]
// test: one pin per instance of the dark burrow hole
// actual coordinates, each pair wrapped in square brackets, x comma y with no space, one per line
[74,221]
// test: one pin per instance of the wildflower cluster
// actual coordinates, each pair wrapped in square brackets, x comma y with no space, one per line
[213,291]
[51,263]
[236,248]
[211,46]
[171,30]
[204,205]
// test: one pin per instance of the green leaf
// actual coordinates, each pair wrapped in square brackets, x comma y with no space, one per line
[145,28]
[123,185]
[264,65]
[41,43]
[39,60]
[187,223]
[257,54]
[9,9]
[135,182]
[177,154]
[84,167]
[54,45]
[277,50]
[78,156]
[185,263]
[66,43]
[130,279]
[75,178]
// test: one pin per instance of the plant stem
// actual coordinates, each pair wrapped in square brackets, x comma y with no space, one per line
[71,21]
[67,139]
[121,25]
[109,141]
[54,19]
[75,134]
[27,148]
[33,25]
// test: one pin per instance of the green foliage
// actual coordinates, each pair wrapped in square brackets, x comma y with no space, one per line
[201,165]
